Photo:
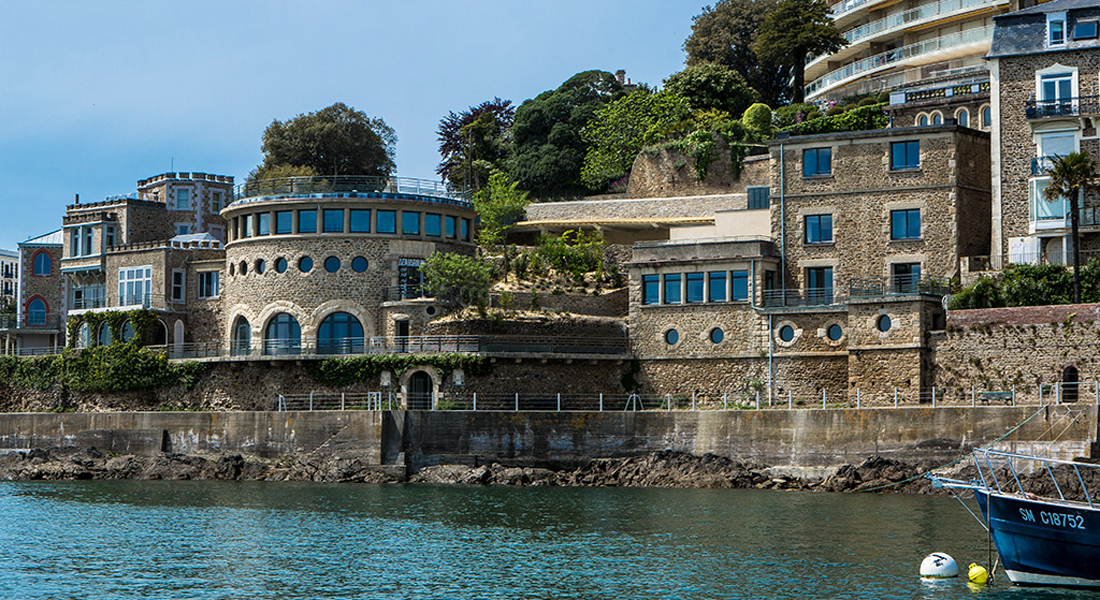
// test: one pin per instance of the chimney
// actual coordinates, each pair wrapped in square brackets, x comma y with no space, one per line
[78,198]
[620,76]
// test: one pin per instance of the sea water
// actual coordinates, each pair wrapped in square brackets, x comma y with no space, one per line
[151,539]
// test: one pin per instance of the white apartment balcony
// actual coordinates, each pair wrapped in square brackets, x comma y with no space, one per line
[972,42]
[860,37]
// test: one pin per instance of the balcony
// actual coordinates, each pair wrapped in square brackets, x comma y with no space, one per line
[956,43]
[897,285]
[795,298]
[32,322]
[337,184]
[408,291]
[1064,107]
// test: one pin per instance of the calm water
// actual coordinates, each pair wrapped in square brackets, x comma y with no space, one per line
[256,540]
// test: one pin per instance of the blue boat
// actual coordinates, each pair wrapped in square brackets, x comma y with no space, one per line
[1050,541]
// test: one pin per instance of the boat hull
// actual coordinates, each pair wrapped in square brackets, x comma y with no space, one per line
[1044,543]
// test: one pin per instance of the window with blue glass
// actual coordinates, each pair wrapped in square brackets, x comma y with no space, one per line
[334,221]
[284,222]
[905,224]
[739,281]
[817,162]
[387,221]
[43,266]
[819,229]
[716,286]
[36,312]
[283,335]
[410,223]
[465,230]
[905,156]
[451,226]
[694,287]
[1084,30]
[340,333]
[673,289]
[819,285]
[433,225]
[651,289]
[263,224]
[359,221]
[307,221]
[759,197]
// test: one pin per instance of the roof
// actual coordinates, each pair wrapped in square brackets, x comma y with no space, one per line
[53,238]
[194,237]
[9,253]
[1054,6]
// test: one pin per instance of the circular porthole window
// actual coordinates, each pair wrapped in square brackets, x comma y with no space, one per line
[786,333]
[243,268]
[430,310]
[359,264]
[717,335]
[332,264]
[280,265]
[261,265]
[672,337]
[232,269]
[305,264]
[884,323]
[835,332]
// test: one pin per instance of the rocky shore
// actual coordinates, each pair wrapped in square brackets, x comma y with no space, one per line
[658,469]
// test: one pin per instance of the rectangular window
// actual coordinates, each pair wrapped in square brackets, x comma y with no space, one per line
[451,226]
[673,289]
[817,162]
[110,237]
[819,229]
[208,284]
[739,281]
[1085,30]
[819,285]
[216,201]
[246,226]
[1057,29]
[1056,88]
[905,224]
[466,230]
[183,229]
[74,242]
[87,249]
[769,280]
[177,285]
[359,220]
[716,286]
[307,221]
[387,221]
[284,222]
[694,288]
[906,276]
[651,289]
[433,225]
[263,224]
[905,155]
[334,221]
[134,285]
[183,199]
[410,223]
[759,197]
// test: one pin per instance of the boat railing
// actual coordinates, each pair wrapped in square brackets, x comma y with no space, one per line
[987,460]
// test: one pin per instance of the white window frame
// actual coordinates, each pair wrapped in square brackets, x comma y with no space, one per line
[176,200]
[1055,69]
[179,289]
[134,282]
[183,228]
[217,201]
[1057,17]
[205,278]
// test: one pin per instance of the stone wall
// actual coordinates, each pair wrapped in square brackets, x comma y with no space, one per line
[665,172]
[643,208]
[47,287]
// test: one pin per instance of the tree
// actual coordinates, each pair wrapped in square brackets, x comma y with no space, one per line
[793,31]
[337,140]
[548,150]
[457,279]
[724,35]
[473,143]
[758,119]
[1070,176]
[709,86]
[499,205]
[619,131]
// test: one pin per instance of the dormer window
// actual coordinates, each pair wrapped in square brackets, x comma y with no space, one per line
[1056,29]
[1085,30]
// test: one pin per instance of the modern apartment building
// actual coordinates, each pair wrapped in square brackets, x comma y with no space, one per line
[9,274]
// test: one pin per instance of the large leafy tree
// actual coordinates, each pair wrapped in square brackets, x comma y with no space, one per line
[457,279]
[619,131]
[548,150]
[724,34]
[1070,176]
[473,143]
[337,140]
[710,86]
[499,205]
[793,31]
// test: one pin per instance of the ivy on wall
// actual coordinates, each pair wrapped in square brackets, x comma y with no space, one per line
[140,320]
[341,372]
[115,368]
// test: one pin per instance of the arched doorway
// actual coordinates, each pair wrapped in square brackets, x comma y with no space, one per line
[177,336]
[418,394]
[340,333]
[242,337]
[158,333]
[283,336]
[1069,384]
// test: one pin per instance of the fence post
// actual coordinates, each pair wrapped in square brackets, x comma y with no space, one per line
[858,399]
[559,401]
[725,401]
[601,401]
[343,403]
[1057,393]
[757,399]
[668,402]
[311,401]
[517,401]
[790,400]
[973,396]
[1040,394]
[1014,394]
[933,396]
[475,401]
[822,398]
[693,401]
[895,397]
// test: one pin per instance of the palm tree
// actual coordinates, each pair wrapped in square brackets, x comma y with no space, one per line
[1070,176]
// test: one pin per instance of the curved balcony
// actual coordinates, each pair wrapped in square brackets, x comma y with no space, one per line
[347,184]
[960,43]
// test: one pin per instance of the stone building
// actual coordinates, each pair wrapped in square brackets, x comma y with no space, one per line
[9,269]
[39,310]
[1045,66]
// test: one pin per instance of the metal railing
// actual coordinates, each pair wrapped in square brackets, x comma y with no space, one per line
[970,36]
[86,303]
[285,186]
[802,297]
[154,301]
[341,401]
[911,17]
[409,291]
[32,321]
[869,287]
[1062,107]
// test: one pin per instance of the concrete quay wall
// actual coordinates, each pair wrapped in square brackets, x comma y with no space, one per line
[799,438]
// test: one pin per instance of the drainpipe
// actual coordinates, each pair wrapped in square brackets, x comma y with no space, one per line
[782,221]
[771,339]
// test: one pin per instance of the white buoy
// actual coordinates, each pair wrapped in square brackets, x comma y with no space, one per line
[938,566]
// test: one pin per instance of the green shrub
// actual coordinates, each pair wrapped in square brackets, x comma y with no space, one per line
[758,120]
[858,119]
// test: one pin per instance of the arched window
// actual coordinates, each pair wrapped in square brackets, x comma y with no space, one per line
[103,336]
[987,117]
[83,336]
[283,336]
[963,117]
[36,312]
[127,331]
[242,337]
[340,333]
[922,120]
[937,118]
[43,266]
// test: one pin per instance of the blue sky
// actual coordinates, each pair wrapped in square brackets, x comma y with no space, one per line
[96,95]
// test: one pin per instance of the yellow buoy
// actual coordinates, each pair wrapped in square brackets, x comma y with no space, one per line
[978,574]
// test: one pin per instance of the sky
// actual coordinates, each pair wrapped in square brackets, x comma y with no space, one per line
[97,95]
